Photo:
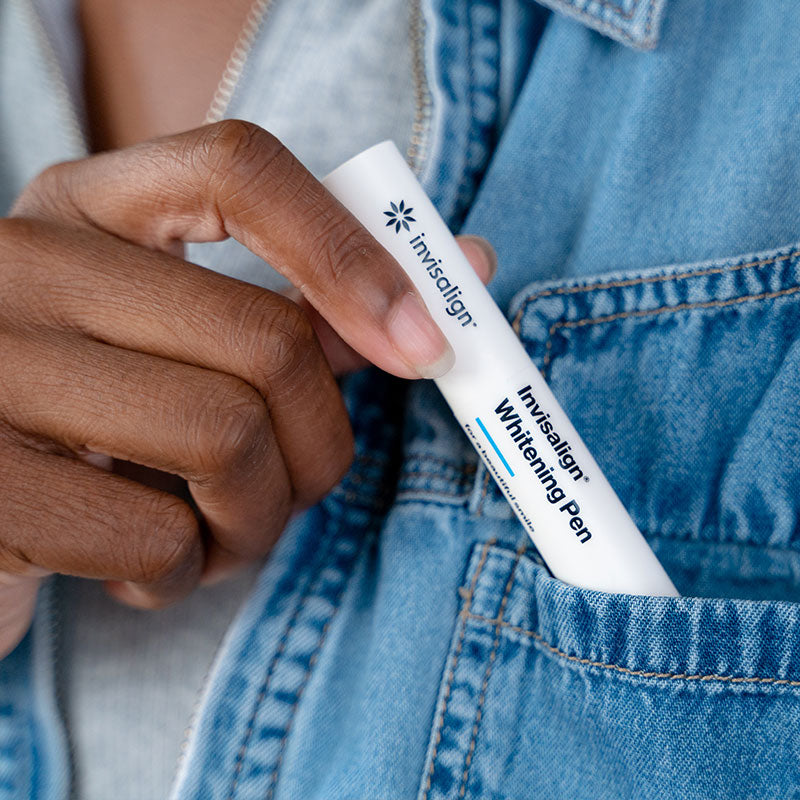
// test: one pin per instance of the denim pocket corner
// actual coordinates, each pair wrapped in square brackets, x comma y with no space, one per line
[555,691]
[632,22]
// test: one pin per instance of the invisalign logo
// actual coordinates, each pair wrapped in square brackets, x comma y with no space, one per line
[399,216]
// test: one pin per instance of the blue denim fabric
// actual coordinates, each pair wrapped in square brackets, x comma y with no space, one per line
[405,640]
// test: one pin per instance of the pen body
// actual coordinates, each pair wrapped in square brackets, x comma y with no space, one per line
[499,397]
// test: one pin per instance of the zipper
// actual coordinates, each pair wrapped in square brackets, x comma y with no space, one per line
[417,149]
[415,155]
[216,111]
[236,61]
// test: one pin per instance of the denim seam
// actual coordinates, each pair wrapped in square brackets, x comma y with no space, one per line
[476,128]
[606,4]
[484,493]
[610,25]
[602,285]
[646,279]
[489,667]
[470,68]
[430,495]
[656,311]
[301,601]
[312,661]
[649,21]
[700,677]
[464,616]
[467,174]
[435,500]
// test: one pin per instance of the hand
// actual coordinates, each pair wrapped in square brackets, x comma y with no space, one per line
[112,344]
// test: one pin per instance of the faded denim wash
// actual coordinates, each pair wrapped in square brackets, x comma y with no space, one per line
[636,164]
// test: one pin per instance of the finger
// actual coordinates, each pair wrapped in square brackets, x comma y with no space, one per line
[153,303]
[211,428]
[62,515]
[235,179]
[480,254]
[342,358]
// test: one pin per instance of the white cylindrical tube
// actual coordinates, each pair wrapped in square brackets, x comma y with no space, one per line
[499,397]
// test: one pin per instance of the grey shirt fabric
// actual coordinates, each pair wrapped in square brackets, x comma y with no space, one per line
[329,79]
[130,680]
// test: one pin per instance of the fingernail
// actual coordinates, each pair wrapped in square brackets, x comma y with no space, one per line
[484,251]
[97,460]
[418,340]
[130,593]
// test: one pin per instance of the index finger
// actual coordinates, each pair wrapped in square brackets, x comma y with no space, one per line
[235,179]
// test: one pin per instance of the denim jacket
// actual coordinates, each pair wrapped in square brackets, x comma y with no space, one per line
[636,164]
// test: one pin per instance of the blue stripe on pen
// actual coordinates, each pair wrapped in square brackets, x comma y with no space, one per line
[496,448]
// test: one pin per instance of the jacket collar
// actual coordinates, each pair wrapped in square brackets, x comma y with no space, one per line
[634,23]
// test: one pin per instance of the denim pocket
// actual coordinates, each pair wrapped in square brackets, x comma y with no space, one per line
[685,384]
[551,691]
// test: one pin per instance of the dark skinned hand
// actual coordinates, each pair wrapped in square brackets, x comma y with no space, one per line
[112,345]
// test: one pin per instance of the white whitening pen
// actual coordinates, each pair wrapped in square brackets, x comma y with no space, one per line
[499,397]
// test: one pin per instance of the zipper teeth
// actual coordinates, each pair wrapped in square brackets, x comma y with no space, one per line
[415,155]
[236,61]
[416,152]
[74,129]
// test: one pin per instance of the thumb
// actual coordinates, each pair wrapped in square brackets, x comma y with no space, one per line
[342,358]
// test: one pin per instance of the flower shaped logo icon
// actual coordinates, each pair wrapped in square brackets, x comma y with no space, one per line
[399,216]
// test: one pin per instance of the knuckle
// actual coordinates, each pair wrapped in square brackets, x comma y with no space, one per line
[239,147]
[341,252]
[290,341]
[248,172]
[277,337]
[169,549]
[44,191]
[233,427]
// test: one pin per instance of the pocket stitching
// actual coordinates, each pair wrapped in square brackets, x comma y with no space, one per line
[654,311]
[556,326]
[489,667]
[700,677]
[464,614]
[600,285]
[265,685]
